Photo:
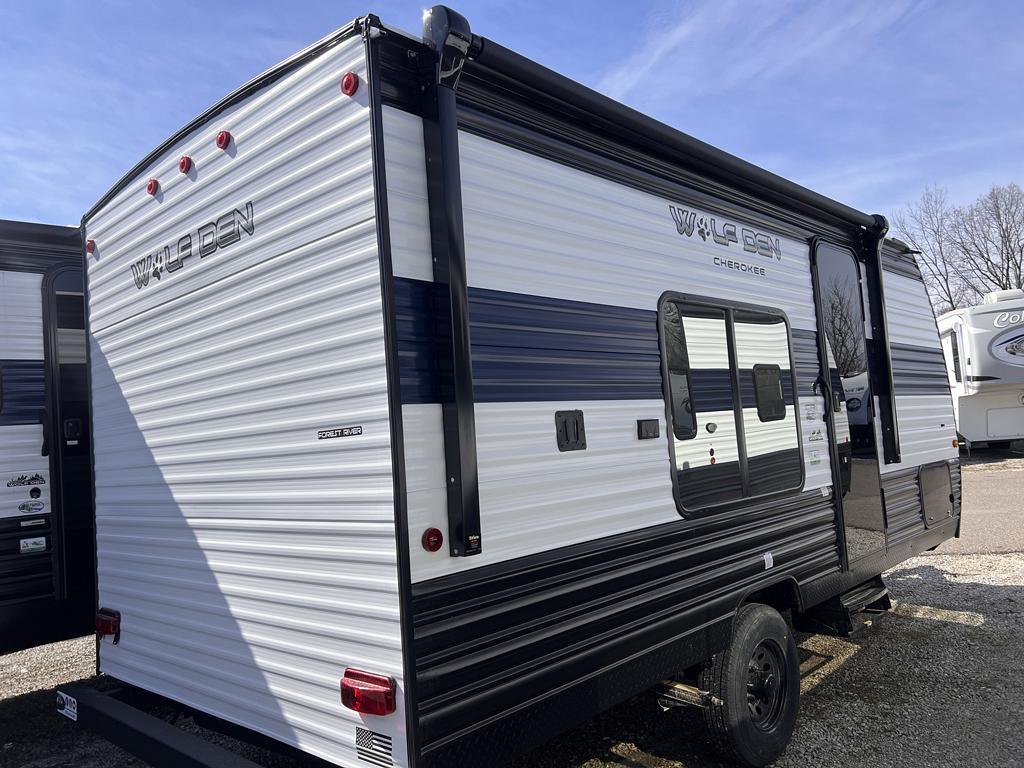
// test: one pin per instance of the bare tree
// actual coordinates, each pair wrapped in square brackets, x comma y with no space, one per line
[989,236]
[927,226]
[966,251]
[844,325]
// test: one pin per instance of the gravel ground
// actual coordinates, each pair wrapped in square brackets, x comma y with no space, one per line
[934,683]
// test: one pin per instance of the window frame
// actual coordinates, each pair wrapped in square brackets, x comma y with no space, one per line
[729,307]
[954,351]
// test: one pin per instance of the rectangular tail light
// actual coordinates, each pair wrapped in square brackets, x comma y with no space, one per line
[368,693]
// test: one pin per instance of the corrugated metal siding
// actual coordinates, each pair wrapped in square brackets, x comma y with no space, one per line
[21,316]
[924,407]
[903,515]
[252,562]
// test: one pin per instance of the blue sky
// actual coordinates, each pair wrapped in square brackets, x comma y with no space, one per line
[867,102]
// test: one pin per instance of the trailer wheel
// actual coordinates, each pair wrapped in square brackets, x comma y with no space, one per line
[755,685]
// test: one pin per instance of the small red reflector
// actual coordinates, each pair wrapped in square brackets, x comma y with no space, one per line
[223,140]
[350,83]
[90,246]
[108,622]
[185,164]
[152,186]
[713,460]
[432,539]
[368,693]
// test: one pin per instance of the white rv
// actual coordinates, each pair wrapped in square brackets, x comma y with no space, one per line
[984,352]
[47,572]
[441,403]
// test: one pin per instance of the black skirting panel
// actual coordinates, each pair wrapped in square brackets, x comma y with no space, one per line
[554,630]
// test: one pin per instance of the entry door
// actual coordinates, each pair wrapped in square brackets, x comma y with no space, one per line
[849,398]
[68,427]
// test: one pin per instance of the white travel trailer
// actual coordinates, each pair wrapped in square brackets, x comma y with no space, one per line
[984,352]
[425,373]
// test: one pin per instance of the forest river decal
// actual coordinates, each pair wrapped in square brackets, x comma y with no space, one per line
[33,479]
[707,228]
[204,240]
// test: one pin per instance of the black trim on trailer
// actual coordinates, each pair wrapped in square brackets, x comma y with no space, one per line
[737,403]
[878,345]
[134,719]
[448,35]
[372,35]
[153,740]
[269,77]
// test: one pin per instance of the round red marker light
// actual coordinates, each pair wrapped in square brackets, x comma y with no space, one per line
[350,83]
[432,539]
[223,140]
[185,164]
[152,186]
[90,246]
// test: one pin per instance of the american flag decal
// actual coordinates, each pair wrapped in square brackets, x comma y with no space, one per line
[373,747]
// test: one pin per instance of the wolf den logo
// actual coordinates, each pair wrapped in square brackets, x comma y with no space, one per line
[204,241]
[706,227]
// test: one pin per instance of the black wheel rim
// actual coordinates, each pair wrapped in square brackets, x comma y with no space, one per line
[766,685]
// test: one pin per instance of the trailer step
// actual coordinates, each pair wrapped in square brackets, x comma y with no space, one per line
[847,613]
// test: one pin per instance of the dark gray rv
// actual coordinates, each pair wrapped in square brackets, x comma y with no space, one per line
[440,403]
[47,571]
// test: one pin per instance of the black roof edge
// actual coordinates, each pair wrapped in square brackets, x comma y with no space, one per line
[244,91]
[30,231]
[504,62]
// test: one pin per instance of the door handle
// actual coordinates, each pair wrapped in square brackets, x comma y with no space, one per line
[44,420]
[837,402]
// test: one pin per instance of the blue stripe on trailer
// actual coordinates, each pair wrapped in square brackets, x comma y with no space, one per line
[534,348]
[22,391]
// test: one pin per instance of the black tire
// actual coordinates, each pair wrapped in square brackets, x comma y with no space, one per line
[757,682]
[998,445]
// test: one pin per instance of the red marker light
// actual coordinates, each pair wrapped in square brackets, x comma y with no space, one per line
[223,140]
[368,693]
[90,246]
[350,83]
[108,622]
[432,539]
[185,164]
[152,186]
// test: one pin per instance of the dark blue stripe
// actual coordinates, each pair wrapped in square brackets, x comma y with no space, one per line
[534,348]
[918,370]
[23,390]
[529,348]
